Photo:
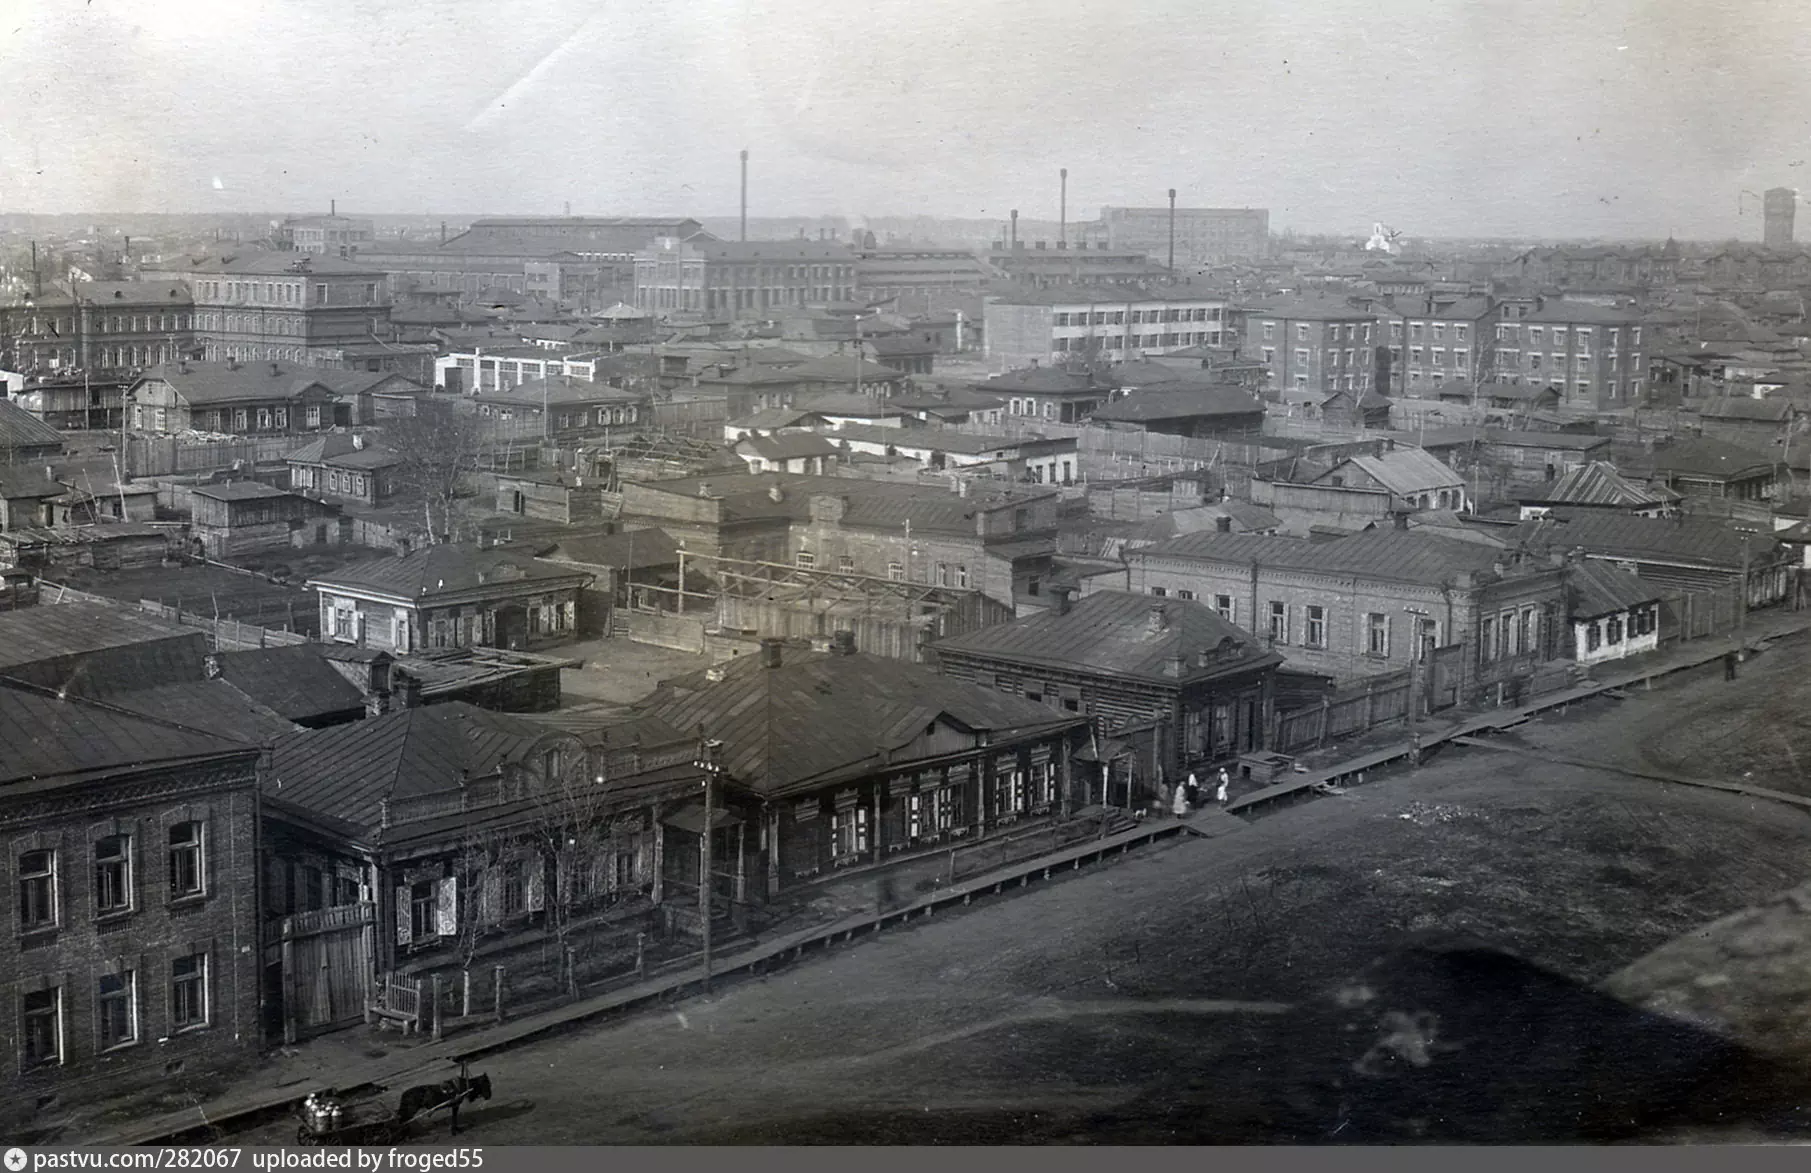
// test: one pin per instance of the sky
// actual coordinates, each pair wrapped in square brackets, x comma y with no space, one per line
[1551,118]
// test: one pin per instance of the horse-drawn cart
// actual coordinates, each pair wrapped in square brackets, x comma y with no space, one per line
[327,1119]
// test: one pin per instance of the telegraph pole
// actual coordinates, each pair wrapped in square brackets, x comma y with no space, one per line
[710,752]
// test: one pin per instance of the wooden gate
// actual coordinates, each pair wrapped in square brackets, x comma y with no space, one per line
[326,968]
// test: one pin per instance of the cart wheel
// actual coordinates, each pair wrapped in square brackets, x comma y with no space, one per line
[304,1136]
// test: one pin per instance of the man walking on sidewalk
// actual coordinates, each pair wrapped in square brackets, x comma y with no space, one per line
[1729,665]
[1223,792]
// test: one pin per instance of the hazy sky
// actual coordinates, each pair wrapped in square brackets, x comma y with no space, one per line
[1443,117]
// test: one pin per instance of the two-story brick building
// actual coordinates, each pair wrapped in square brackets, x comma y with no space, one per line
[450,596]
[1372,603]
[131,920]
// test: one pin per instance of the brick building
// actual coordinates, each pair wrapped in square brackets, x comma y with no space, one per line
[1100,324]
[1439,344]
[131,867]
[104,329]
[1316,346]
[1591,354]
[1203,236]
[332,235]
[1371,603]
[754,278]
[288,306]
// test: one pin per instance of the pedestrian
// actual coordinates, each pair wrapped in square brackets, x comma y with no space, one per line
[1180,805]
[1223,792]
[1194,790]
[1729,665]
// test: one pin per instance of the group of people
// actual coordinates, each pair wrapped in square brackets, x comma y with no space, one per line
[1188,795]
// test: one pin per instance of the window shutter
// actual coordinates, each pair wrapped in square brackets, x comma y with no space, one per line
[403,910]
[447,913]
[535,901]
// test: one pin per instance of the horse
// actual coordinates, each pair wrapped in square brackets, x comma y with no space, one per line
[431,1097]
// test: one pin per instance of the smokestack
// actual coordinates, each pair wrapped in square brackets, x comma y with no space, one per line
[37,279]
[1172,230]
[745,196]
[1062,209]
[333,207]
[1012,239]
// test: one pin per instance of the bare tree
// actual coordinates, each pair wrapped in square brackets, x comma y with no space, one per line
[570,823]
[439,447]
[481,852]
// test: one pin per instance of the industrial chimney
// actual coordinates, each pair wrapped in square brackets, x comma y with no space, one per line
[1062,209]
[1012,239]
[1172,230]
[745,196]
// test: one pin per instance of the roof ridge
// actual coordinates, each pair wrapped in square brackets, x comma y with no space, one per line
[63,696]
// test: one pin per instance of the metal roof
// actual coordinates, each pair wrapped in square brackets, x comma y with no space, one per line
[21,429]
[1407,471]
[1118,633]
[1168,403]
[443,569]
[792,729]
[51,736]
[1598,483]
[1701,541]
[348,771]
[1595,588]
[1391,555]
[45,632]
[295,682]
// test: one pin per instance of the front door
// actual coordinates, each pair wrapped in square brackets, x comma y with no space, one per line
[511,628]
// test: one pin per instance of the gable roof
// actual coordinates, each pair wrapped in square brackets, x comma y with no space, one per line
[211,706]
[1406,471]
[787,730]
[342,451]
[1735,407]
[51,736]
[349,771]
[441,569]
[217,382]
[1706,456]
[1598,483]
[1595,588]
[1114,632]
[790,445]
[21,429]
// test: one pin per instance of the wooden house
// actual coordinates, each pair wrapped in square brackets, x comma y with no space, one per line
[242,399]
[247,517]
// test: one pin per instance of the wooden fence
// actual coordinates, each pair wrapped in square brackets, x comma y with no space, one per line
[1688,615]
[1353,709]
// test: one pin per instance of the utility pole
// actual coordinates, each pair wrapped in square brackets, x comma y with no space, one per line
[1742,600]
[710,752]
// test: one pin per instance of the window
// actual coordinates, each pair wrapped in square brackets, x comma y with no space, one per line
[1316,634]
[1279,623]
[1526,631]
[804,560]
[845,564]
[116,1010]
[43,1027]
[515,888]
[1224,605]
[1301,331]
[1301,358]
[189,992]
[1160,592]
[1534,335]
[962,577]
[186,876]
[1439,331]
[896,572]
[113,875]
[37,890]
[1270,329]
[943,574]
[1270,354]
[424,910]
[1190,595]
[1427,638]
[849,832]
[1593,636]
[1377,634]
[1487,636]
[1613,629]
[1459,331]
